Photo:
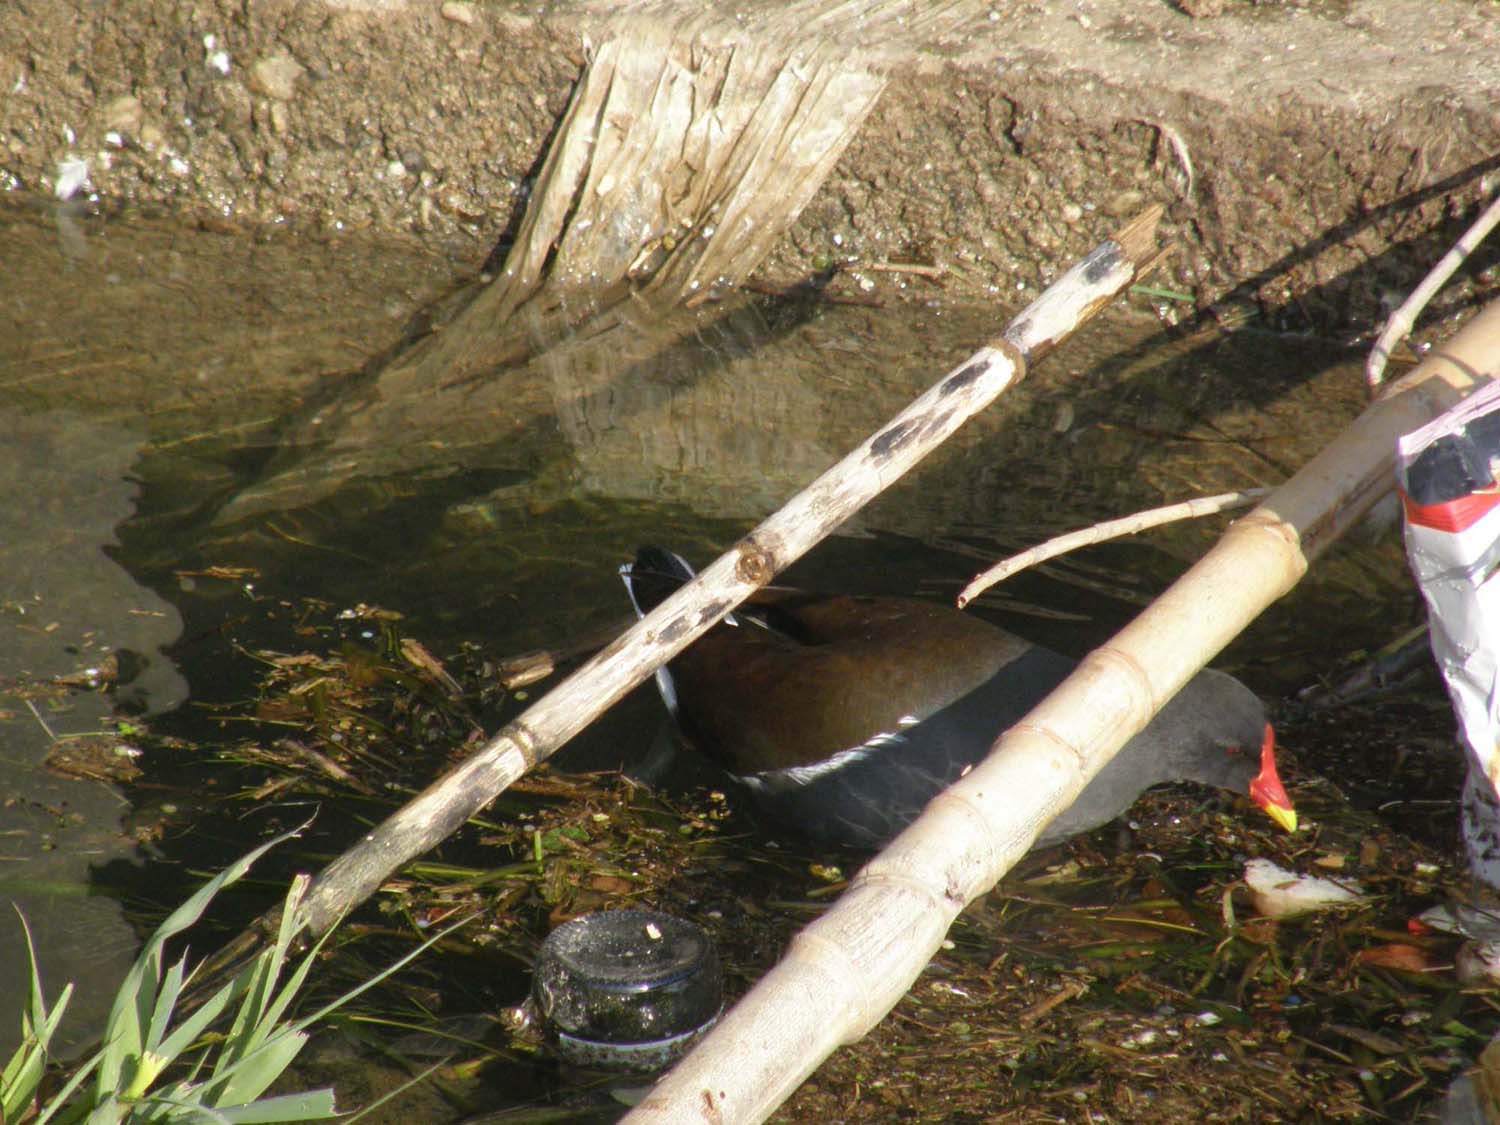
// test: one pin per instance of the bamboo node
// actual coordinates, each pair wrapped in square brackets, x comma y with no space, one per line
[756,566]
[1014,353]
[1142,690]
[1037,730]
[875,874]
[523,742]
[1264,521]
[840,972]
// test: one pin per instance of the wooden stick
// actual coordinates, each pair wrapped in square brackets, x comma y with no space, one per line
[526,668]
[807,518]
[848,968]
[1195,508]
[1399,326]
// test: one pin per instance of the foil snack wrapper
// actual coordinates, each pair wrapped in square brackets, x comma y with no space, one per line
[1448,472]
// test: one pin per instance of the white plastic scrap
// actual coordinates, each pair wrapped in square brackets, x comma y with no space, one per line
[1470,920]
[1455,566]
[1478,963]
[72,174]
[1280,893]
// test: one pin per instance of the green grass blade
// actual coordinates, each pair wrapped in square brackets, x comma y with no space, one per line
[23,1073]
[254,1073]
[389,1095]
[153,1059]
[241,1038]
[166,1004]
[278,1005]
[125,1030]
[291,988]
[124,1035]
[314,1105]
[394,966]
[60,1099]
[185,1036]
[255,1021]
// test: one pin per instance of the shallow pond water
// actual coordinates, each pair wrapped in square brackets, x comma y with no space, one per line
[204,435]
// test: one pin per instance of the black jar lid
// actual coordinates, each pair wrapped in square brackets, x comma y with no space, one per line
[627,988]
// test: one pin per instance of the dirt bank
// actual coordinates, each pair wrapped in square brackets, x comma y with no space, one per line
[1313,154]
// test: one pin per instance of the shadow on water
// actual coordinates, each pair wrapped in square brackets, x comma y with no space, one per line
[492,516]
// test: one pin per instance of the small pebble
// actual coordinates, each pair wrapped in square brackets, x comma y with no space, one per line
[276,76]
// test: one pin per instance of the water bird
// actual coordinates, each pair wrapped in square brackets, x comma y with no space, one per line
[844,715]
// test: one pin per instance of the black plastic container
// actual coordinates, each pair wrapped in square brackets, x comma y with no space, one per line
[626,990]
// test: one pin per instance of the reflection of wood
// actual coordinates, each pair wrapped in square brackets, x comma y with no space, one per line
[698,420]
[665,407]
[684,154]
[803,522]
[876,464]
[846,970]
[688,148]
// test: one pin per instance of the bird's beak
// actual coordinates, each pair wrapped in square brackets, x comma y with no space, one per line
[1267,791]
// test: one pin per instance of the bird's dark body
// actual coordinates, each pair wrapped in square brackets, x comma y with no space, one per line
[905,695]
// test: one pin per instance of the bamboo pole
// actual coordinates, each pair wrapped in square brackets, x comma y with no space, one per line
[804,521]
[847,969]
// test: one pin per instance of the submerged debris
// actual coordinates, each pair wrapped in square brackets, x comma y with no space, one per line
[1280,893]
[1102,979]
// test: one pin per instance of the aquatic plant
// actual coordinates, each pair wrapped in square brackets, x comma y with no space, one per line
[158,1065]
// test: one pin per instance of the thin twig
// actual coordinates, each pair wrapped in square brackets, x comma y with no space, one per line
[1110,529]
[1069,991]
[526,668]
[932,273]
[41,721]
[1401,321]
[1179,149]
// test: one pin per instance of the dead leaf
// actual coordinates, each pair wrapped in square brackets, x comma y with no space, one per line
[1406,958]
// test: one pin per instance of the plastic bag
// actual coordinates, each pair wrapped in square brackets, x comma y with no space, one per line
[1448,472]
